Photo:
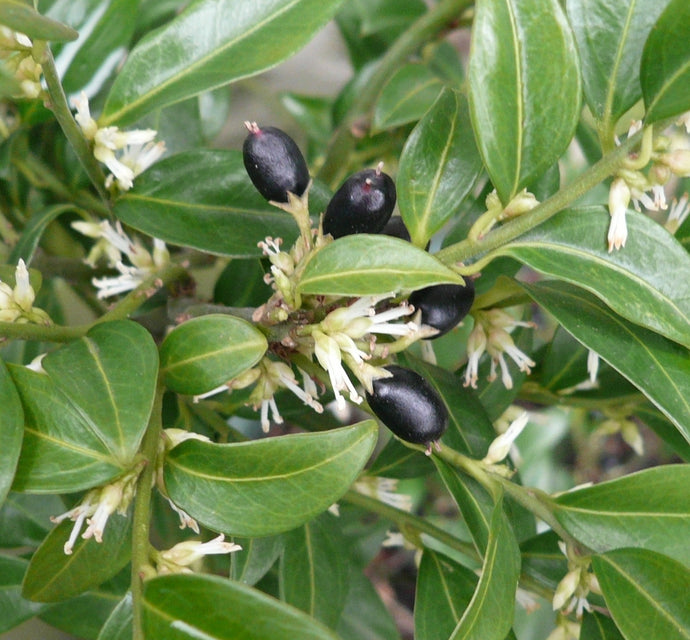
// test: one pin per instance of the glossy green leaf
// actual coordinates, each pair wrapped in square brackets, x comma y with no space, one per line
[610,35]
[204,199]
[649,509]
[364,264]
[596,626]
[439,166]
[656,366]
[32,232]
[241,40]
[365,614]
[14,609]
[25,519]
[241,284]
[406,97]
[489,615]
[176,607]
[314,569]
[385,15]
[474,502]
[266,486]
[524,88]
[255,559]
[105,29]
[542,559]
[86,417]
[21,16]
[634,281]
[54,576]
[646,593]
[398,461]
[119,623]
[665,72]
[11,430]
[444,590]
[205,352]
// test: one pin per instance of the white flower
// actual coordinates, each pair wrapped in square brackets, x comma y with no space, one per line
[185,519]
[678,213]
[619,198]
[500,342]
[500,447]
[177,559]
[327,352]
[592,366]
[126,153]
[16,304]
[476,346]
[684,121]
[97,507]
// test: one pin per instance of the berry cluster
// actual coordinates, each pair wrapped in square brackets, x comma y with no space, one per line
[404,401]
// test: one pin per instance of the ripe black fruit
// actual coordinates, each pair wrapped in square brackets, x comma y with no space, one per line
[396,228]
[444,305]
[363,204]
[409,406]
[274,163]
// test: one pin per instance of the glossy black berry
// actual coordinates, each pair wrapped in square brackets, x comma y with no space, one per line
[444,305]
[409,406]
[363,204]
[396,228]
[274,163]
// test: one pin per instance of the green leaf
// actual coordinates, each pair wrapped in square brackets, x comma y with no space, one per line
[489,615]
[665,71]
[649,509]
[25,519]
[386,15]
[255,559]
[439,166]
[14,609]
[315,569]
[86,417]
[365,615]
[266,486]
[610,35]
[634,282]
[364,264]
[118,626]
[646,592]
[11,430]
[406,97]
[444,590]
[596,626]
[204,199]
[542,559]
[203,353]
[105,29]
[524,89]
[241,40]
[54,576]
[176,607]
[22,17]
[32,232]
[656,366]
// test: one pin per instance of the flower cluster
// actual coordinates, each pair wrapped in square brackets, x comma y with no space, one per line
[491,333]
[668,157]
[17,57]
[573,589]
[113,244]
[385,490]
[126,153]
[97,507]
[16,303]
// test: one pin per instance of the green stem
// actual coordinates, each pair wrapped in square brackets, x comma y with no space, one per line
[142,510]
[560,200]
[69,126]
[405,520]
[534,500]
[123,309]
[424,28]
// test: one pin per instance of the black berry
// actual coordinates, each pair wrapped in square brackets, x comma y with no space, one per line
[363,204]
[409,406]
[444,305]
[274,163]
[396,228]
